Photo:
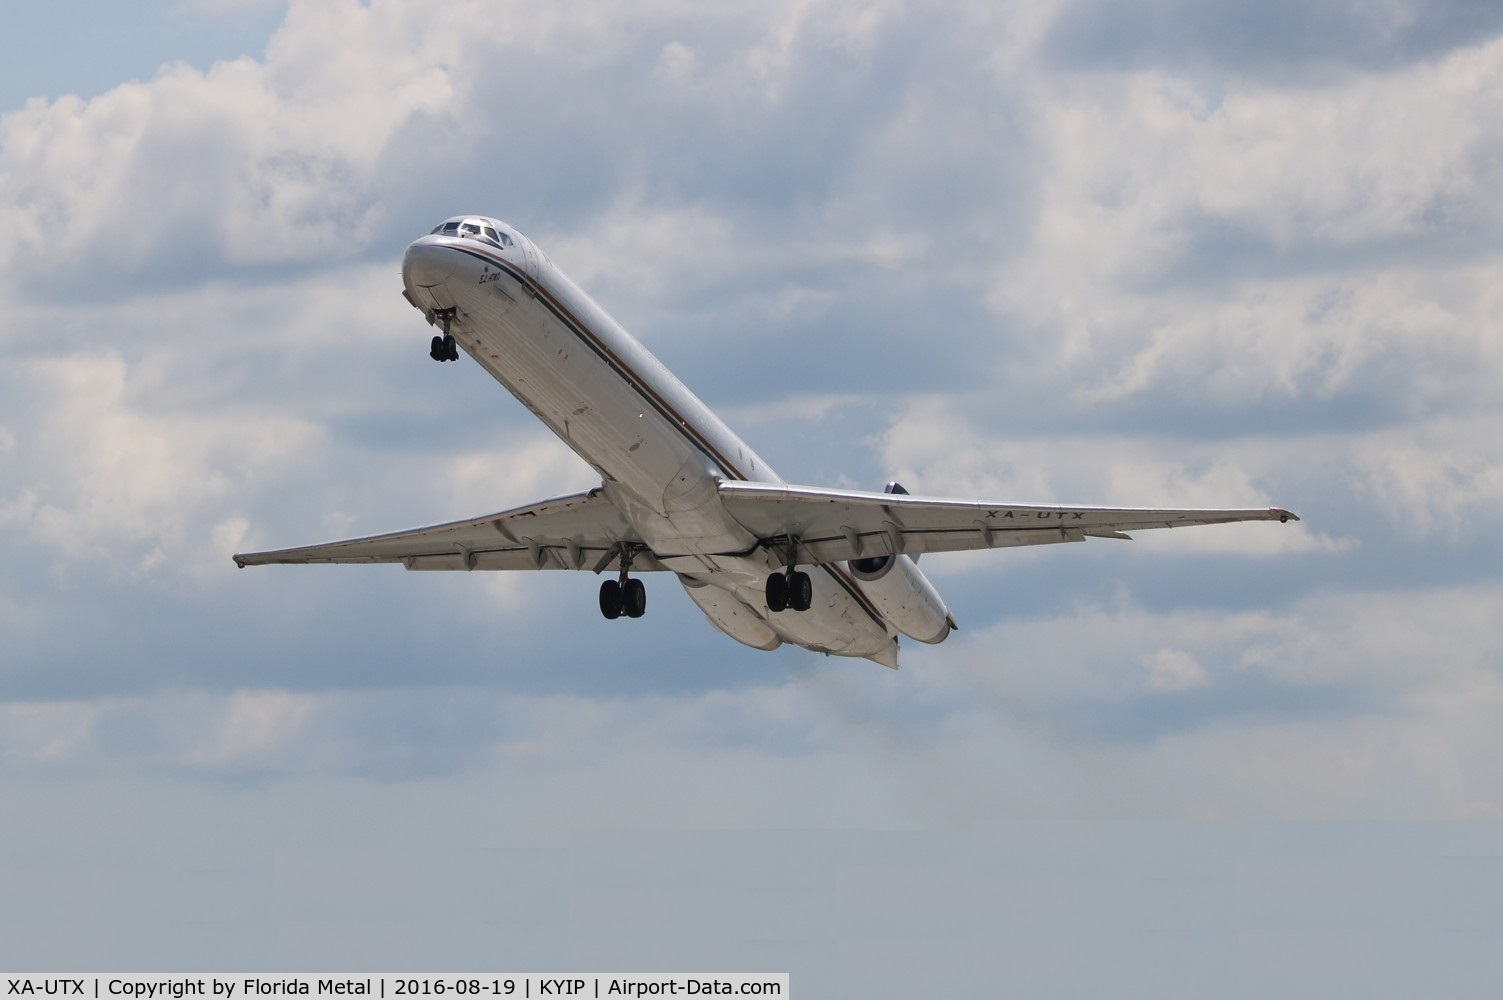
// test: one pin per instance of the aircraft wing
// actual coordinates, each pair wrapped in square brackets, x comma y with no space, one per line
[835,525]
[582,531]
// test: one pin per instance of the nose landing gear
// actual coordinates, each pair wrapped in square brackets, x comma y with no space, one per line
[444,348]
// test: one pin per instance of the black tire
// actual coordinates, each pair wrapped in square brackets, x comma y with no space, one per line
[777,592]
[451,349]
[436,349]
[610,599]
[634,598]
[800,591]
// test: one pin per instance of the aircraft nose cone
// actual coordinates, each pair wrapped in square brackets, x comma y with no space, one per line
[426,269]
[424,266]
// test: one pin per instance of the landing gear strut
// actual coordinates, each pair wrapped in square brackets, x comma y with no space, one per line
[791,588]
[444,348]
[625,595]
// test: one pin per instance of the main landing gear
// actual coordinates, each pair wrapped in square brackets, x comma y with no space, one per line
[791,588]
[444,348]
[624,596]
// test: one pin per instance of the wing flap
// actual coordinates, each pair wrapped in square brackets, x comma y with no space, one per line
[580,531]
[835,525]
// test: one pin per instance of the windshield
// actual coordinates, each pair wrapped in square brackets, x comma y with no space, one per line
[475,229]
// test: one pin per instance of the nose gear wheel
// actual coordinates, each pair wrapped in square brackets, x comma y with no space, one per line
[444,348]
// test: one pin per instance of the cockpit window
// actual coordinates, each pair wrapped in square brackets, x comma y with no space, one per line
[474,229]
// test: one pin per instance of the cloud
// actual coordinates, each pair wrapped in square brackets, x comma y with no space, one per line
[1240,697]
[246,164]
[1173,670]
[1272,41]
[1367,704]
[231,6]
[1441,480]
[890,245]
[1271,250]
[112,477]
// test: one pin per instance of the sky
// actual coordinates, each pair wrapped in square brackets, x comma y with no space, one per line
[1224,253]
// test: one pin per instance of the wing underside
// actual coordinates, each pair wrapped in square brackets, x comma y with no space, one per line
[581,531]
[836,525]
[587,531]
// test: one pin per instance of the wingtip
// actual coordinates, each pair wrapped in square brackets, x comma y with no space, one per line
[1283,515]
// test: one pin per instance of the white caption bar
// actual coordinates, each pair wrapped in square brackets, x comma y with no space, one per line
[135,986]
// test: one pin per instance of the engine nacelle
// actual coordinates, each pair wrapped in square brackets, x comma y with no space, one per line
[905,596]
[730,616]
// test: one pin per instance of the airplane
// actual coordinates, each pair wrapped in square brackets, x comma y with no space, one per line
[768,562]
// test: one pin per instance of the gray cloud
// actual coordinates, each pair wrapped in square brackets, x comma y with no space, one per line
[1283,42]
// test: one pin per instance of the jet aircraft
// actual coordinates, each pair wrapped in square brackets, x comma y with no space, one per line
[768,562]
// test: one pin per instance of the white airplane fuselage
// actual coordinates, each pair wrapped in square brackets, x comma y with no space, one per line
[659,451]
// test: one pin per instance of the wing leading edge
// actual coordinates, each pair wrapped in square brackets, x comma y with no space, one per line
[836,525]
[580,531]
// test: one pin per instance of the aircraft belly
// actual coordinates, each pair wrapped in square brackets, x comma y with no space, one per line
[659,478]
[835,623]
